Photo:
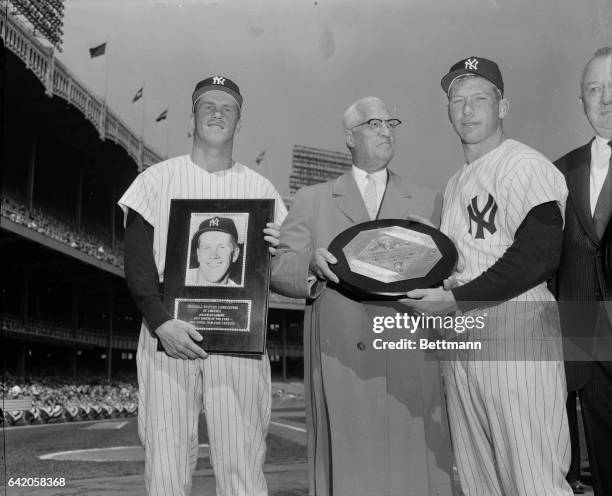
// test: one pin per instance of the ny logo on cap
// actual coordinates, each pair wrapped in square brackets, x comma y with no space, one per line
[471,64]
[218,80]
[214,222]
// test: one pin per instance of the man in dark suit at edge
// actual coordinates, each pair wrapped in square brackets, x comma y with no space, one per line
[584,278]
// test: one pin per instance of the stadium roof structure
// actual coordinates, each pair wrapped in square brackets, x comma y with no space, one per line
[60,82]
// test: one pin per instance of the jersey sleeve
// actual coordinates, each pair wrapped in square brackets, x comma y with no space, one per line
[280,210]
[531,183]
[142,197]
[531,259]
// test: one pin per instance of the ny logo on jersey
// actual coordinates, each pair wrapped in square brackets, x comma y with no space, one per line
[218,80]
[214,222]
[478,216]
[471,64]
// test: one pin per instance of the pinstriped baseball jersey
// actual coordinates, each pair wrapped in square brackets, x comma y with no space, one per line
[487,200]
[179,178]
[507,403]
[234,391]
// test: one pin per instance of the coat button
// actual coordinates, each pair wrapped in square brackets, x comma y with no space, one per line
[361,346]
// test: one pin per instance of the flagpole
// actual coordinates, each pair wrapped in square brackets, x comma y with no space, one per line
[103,116]
[143,112]
[142,125]
[167,134]
[106,71]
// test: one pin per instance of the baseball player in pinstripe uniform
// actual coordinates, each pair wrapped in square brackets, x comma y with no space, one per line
[503,210]
[175,385]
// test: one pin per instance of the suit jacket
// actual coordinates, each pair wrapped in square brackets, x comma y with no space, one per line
[375,419]
[583,279]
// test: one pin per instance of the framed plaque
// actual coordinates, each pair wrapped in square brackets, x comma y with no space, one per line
[383,259]
[217,271]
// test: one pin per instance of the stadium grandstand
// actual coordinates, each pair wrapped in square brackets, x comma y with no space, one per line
[65,311]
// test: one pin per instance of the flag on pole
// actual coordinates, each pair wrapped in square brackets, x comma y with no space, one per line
[137,96]
[162,116]
[97,50]
[260,157]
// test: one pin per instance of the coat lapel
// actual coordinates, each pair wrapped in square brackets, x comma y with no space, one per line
[348,198]
[578,183]
[396,202]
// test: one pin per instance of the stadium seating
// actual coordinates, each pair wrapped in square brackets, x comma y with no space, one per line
[44,223]
[62,399]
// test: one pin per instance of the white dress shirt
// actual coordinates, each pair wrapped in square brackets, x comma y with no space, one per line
[380,180]
[600,163]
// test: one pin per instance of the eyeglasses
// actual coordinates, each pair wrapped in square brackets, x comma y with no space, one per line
[377,124]
[596,91]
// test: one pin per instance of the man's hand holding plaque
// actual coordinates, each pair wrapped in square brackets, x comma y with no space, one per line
[177,337]
[320,265]
[216,276]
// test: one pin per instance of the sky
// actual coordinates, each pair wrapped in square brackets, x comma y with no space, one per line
[301,63]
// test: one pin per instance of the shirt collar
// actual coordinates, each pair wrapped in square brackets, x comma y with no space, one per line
[601,147]
[380,176]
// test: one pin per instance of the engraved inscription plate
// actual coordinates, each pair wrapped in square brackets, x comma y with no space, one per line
[213,314]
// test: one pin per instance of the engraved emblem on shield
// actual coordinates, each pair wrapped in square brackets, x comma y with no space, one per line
[392,254]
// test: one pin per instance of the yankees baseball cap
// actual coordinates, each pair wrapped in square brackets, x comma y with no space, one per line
[221,224]
[220,83]
[474,65]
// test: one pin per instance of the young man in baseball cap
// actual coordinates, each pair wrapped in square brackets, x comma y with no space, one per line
[503,211]
[177,384]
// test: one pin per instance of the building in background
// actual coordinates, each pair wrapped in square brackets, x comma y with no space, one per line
[315,165]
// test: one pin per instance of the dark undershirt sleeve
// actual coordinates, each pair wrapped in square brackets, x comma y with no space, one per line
[141,272]
[532,258]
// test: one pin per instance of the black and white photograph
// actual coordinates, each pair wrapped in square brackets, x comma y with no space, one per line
[175,316]
[217,251]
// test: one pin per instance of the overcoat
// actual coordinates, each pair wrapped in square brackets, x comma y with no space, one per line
[376,419]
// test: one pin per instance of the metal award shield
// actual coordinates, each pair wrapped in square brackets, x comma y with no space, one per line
[383,259]
[217,271]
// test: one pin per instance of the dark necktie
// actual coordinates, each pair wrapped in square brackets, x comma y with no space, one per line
[601,215]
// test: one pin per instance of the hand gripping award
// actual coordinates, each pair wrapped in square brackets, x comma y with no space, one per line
[383,259]
[217,271]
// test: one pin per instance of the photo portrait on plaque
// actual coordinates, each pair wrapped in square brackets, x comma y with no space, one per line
[217,249]
[217,271]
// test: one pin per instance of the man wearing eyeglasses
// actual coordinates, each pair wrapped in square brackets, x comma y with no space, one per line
[374,419]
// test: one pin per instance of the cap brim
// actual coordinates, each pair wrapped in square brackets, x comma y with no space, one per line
[206,89]
[451,76]
[209,229]
[448,80]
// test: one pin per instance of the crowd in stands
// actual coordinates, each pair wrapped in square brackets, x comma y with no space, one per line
[45,223]
[122,338]
[59,398]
